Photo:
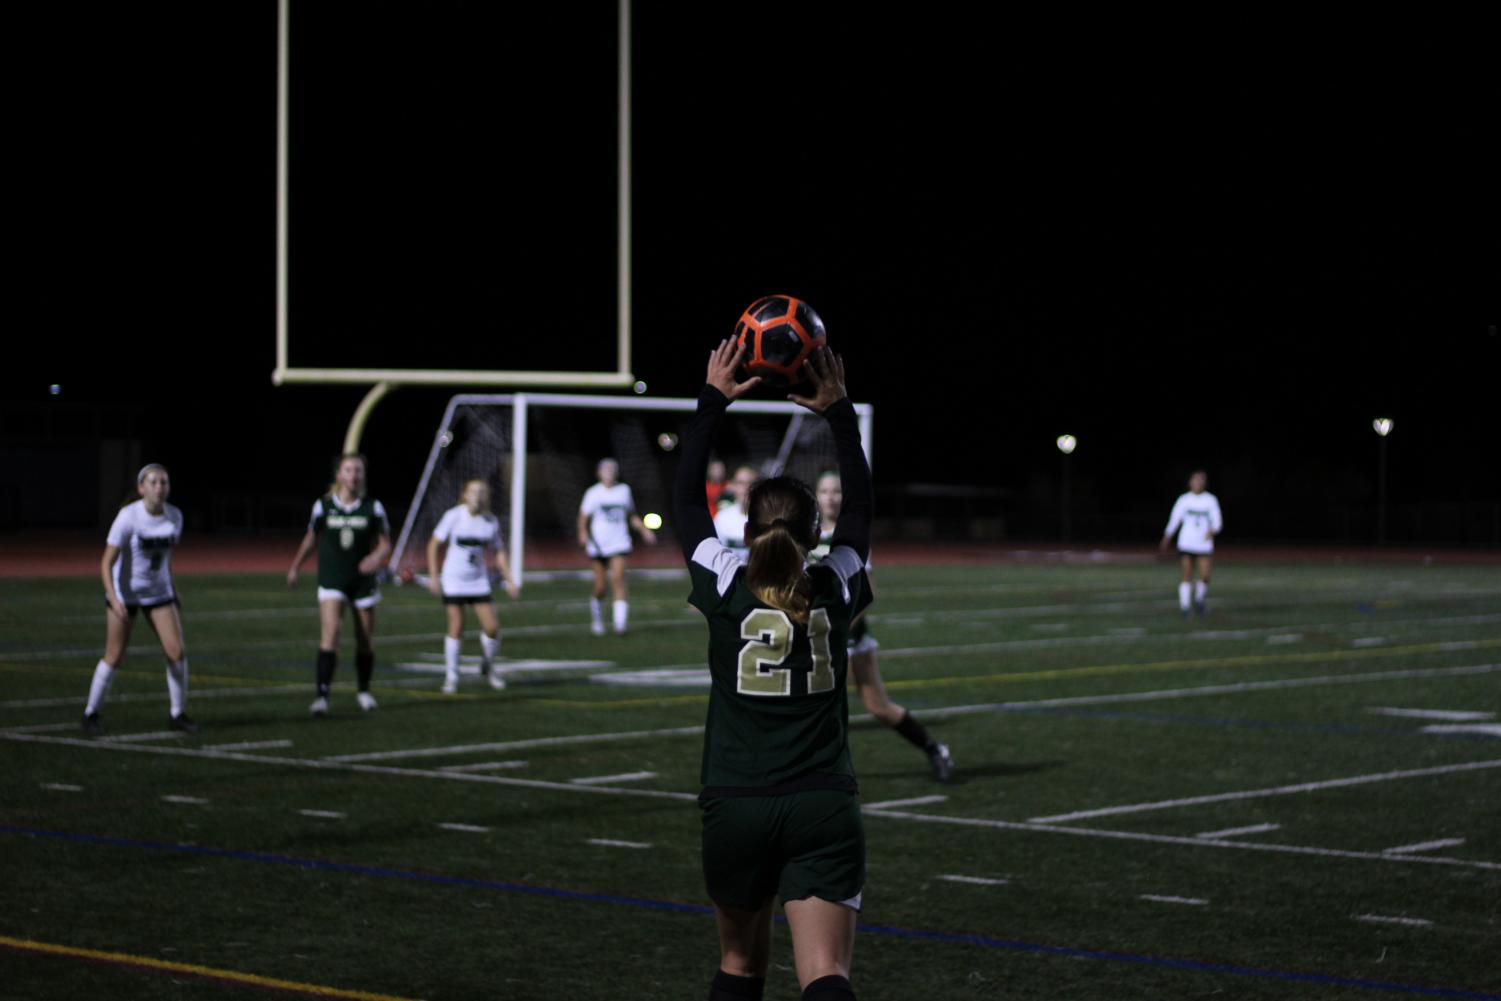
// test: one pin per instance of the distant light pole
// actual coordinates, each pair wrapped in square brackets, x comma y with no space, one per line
[1383,427]
[1066,445]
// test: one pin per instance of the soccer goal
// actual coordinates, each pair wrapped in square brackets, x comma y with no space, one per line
[538,453]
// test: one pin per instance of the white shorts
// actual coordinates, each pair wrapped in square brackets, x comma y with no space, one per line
[369,601]
[866,644]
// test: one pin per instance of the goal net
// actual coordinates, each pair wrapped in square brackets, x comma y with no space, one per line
[538,452]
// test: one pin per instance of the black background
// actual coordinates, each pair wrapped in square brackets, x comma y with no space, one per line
[1226,246]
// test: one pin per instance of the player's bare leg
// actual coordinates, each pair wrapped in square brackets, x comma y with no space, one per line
[621,609]
[489,642]
[744,940]
[867,675]
[364,655]
[116,641]
[823,943]
[1185,585]
[453,644]
[596,597]
[166,622]
[330,623]
[1201,587]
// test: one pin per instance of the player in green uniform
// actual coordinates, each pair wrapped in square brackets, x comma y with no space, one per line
[863,646]
[781,810]
[353,538]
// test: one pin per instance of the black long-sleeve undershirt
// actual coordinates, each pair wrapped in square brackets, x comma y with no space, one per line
[694,523]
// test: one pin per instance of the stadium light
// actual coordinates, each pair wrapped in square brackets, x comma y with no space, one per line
[1066,445]
[1383,427]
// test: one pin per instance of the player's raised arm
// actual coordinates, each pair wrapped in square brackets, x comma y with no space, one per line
[825,370]
[720,387]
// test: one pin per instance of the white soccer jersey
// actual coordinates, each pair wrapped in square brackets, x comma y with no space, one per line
[143,571]
[1198,517]
[609,510]
[729,525]
[468,536]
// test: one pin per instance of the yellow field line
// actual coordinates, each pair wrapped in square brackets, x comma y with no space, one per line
[1247,660]
[233,976]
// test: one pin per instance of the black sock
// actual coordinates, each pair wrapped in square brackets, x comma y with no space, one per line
[326,660]
[830,988]
[914,732]
[364,666]
[728,987]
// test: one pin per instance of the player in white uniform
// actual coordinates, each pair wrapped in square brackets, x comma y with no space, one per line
[606,516]
[729,520]
[137,573]
[1195,521]
[863,646]
[469,531]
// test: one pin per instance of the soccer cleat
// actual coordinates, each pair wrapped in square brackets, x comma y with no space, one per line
[496,681]
[942,762]
[366,701]
[450,684]
[598,628]
[183,722]
[92,724]
[1200,609]
[319,706]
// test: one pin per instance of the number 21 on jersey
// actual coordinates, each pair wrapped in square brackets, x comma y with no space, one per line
[769,632]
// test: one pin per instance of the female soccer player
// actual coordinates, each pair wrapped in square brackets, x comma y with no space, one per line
[353,536]
[729,520]
[137,573]
[1195,521]
[606,516]
[468,530]
[863,646]
[781,811]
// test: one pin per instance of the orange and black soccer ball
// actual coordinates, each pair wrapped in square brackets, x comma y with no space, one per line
[782,333]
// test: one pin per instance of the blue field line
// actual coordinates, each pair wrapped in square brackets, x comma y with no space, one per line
[963,938]
[1240,722]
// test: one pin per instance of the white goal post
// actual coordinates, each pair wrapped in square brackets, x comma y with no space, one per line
[500,437]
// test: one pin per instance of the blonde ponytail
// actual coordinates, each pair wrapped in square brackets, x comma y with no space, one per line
[775,571]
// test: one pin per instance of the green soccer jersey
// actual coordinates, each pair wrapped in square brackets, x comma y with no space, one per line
[347,535]
[777,710]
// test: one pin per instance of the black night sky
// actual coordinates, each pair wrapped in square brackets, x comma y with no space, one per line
[1196,249]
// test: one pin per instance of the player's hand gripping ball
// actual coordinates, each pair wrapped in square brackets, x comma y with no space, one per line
[782,333]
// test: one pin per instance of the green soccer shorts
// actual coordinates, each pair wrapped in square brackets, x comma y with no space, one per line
[798,845]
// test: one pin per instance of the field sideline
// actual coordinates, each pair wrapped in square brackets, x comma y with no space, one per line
[1298,796]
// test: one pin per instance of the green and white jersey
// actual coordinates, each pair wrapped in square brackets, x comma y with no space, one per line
[346,535]
[861,629]
[778,720]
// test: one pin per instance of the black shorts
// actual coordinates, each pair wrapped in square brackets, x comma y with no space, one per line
[604,560]
[1208,555]
[132,609]
[469,599]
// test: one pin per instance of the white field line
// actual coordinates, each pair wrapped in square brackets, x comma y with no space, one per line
[1368,641]
[1287,790]
[61,787]
[251,745]
[325,814]
[986,707]
[611,843]
[366,769]
[1451,715]
[152,735]
[466,828]
[1381,919]
[1169,839]
[973,880]
[297,688]
[1235,832]
[608,779]
[918,801]
[44,727]
[485,766]
[1195,901]
[1489,729]
[1282,639]
[1426,846]
[185,800]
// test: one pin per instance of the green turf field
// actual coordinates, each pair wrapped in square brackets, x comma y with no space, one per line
[1298,796]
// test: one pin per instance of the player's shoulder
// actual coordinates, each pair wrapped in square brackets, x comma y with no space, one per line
[173,513]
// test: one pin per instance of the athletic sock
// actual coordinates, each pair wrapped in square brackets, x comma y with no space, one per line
[914,731]
[1185,590]
[364,666]
[830,988]
[1201,588]
[326,660]
[99,687]
[622,610]
[728,987]
[451,647]
[489,649]
[596,613]
[177,685]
